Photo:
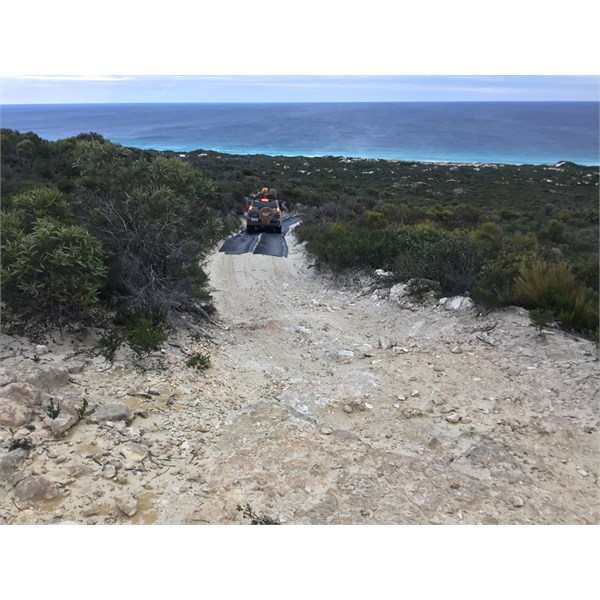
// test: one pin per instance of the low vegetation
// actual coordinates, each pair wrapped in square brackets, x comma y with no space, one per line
[91,228]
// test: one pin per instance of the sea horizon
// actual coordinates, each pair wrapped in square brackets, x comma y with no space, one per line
[473,132]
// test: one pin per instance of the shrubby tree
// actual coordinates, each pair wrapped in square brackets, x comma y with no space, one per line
[151,213]
[51,268]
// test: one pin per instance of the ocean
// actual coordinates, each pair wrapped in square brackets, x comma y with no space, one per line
[469,132]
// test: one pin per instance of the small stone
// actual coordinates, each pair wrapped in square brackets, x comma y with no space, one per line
[109,471]
[384,343]
[62,423]
[415,393]
[134,452]
[396,405]
[111,412]
[368,406]
[583,472]
[127,504]
[518,501]
[401,397]
[344,356]
[347,408]
[40,349]
[455,485]
[453,418]
[456,350]
[326,430]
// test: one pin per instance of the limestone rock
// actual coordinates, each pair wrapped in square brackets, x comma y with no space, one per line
[11,461]
[453,418]
[35,488]
[13,414]
[134,452]
[62,423]
[398,292]
[114,411]
[109,471]
[457,303]
[48,378]
[79,471]
[344,356]
[6,377]
[23,393]
[127,504]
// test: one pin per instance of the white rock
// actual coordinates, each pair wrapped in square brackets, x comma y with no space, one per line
[583,472]
[344,356]
[40,349]
[518,501]
[397,292]
[133,451]
[109,471]
[453,418]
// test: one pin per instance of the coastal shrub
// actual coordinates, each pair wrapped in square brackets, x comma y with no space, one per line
[109,344]
[495,282]
[151,212]
[198,361]
[146,328]
[552,288]
[450,258]
[40,203]
[343,246]
[51,270]
[489,235]
[451,217]
[554,231]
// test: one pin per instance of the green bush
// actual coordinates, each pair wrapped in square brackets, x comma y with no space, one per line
[448,257]
[495,282]
[420,251]
[198,361]
[145,328]
[51,269]
[553,288]
[109,344]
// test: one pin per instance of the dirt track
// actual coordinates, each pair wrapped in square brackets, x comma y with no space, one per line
[328,405]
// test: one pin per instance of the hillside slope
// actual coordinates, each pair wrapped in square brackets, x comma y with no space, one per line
[324,404]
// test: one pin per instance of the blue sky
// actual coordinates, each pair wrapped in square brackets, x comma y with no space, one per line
[43,89]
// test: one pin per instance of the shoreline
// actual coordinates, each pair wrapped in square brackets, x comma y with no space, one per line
[348,158]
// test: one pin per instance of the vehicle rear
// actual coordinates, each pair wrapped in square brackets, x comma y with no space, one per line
[264,214]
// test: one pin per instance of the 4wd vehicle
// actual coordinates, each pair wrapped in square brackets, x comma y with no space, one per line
[264,214]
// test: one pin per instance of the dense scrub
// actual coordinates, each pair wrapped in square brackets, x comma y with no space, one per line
[482,229]
[473,228]
[90,227]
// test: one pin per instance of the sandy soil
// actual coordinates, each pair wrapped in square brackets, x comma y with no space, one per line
[325,403]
